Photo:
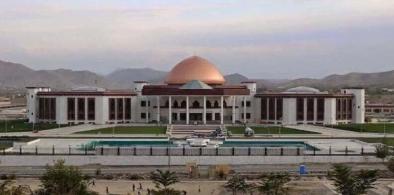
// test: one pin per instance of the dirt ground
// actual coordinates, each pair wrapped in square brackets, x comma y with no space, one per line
[302,187]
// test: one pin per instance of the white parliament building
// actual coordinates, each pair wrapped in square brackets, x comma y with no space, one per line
[194,92]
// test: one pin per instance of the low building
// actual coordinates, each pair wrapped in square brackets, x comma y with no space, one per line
[379,111]
[5,102]
[195,92]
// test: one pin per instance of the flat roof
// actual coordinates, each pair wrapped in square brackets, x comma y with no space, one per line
[176,90]
[294,95]
[88,93]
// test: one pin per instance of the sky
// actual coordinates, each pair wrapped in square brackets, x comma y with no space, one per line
[272,39]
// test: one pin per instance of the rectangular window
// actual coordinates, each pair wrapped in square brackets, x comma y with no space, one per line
[320,109]
[271,109]
[248,115]
[112,108]
[71,109]
[41,108]
[248,103]
[310,109]
[263,108]
[338,110]
[81,108]
[128,108]
[143,103]
[91,109]
[53,108]
[120,108]
[143,115]
[300,109]
[279,108]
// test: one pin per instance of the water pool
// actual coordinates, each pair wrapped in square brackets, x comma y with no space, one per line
[129,143]
[227,143]
[270,144]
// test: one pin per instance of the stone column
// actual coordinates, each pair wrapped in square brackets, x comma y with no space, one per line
[158,109]
[221,110]
[187,110]
[147,110]
[314,110]
[204,114]
[76,109]
[268,109]
[169,110]
[233,110]
[305,110]
[86,109]
[275,110]
[124,109]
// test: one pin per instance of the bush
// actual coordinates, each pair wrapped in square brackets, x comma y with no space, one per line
[3,177]
[222,171]
[108,177]
[390,165]
[98,172]
[135,177]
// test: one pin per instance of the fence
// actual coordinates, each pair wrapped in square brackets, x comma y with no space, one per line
[183,151]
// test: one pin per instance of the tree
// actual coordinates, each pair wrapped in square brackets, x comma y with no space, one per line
[381,151]
[237,184]
[390,165]
[273,184]
[60,179]
[162,181]
[7,187]
[347,183]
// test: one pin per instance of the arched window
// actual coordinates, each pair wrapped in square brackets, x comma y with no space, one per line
[216,104]
[195,104]
[175,104]
[209,105]
[183,104]
[224,104]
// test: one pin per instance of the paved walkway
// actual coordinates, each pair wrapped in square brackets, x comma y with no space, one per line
[72,130]
[332,132]
[324,132]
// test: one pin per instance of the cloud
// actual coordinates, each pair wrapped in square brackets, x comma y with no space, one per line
[266,35]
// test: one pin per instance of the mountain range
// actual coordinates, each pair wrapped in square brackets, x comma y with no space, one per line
[16,77]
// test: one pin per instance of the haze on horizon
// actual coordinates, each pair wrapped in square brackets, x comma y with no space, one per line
[260,39]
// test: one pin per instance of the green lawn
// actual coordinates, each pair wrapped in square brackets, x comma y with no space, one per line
[23,126]
[268,130]
[387,141]
[128,130]
[367,127]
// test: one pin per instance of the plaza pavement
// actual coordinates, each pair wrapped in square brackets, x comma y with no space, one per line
[311,185]
[72,130]
[323,132]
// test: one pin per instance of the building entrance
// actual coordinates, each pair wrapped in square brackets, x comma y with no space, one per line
[196,116]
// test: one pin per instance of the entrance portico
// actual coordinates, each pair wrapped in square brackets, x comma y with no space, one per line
[192,109]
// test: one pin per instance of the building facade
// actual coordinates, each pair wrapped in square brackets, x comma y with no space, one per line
[194,92]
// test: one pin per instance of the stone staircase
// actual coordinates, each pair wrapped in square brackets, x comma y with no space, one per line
[187,130]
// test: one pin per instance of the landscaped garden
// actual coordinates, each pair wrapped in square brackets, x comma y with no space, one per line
[387,141]
[128,130]
[24,126]
[367,127]
[268,130]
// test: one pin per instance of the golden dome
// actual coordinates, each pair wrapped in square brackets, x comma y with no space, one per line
[195,68]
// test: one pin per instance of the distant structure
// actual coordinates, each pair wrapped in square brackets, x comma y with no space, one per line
[194,92]
[5,101]
[382,111]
